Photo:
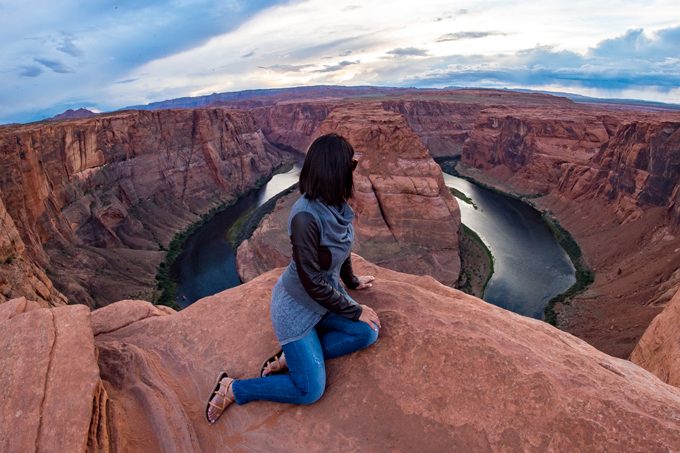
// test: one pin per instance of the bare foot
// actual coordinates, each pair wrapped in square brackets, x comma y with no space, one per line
[222,398]
[276,365]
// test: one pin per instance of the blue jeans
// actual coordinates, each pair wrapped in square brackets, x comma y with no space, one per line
[305,381]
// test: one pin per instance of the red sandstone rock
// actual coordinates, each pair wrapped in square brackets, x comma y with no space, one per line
[659,348]
[71,114]
[406,218]
[442,126]
[124,313]
[609,177]
[292,124]
[19,275]
[94,199]
[469,376]
[48,379]
[269,246]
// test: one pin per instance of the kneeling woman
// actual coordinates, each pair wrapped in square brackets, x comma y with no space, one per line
[313,316]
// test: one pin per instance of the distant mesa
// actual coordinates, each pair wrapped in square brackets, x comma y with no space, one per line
[71,114]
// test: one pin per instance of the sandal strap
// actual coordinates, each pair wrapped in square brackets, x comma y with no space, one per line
[216,405]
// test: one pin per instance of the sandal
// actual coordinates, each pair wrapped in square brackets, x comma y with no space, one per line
[273,365]
[226,400]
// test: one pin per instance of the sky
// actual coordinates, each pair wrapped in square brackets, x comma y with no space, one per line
[108,54]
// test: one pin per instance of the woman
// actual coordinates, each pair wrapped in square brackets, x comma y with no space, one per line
[313,316]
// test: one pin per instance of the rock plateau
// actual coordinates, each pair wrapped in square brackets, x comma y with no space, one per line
[470,377]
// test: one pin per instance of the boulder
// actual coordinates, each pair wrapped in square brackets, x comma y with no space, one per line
[49,377]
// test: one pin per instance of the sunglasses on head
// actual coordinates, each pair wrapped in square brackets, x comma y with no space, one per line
[354,164]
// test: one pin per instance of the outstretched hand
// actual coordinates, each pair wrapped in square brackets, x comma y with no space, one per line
[365,281]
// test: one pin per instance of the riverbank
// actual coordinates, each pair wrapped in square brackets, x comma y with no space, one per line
[476,263]
[583,274]
[245,225]
[166,287]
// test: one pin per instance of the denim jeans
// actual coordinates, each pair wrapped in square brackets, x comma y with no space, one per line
[305,381]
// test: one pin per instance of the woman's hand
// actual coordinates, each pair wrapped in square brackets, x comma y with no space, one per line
[370,317]
[365,281]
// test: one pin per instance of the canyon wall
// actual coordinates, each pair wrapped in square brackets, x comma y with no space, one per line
[659,348]
[442,126]
[291,124]
[610,177]
[19,275]
[129,377]
[406,218]
[97,200]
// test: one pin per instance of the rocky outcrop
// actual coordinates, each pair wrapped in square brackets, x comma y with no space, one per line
[442,126]
[406,218]
[534,148]
[269,245]
[96,200]
[49,378]
[637,169]
[19,275]
[659,348]
[511,383]
[71,114]
[291,124]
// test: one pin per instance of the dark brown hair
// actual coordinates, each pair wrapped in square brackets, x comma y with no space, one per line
[327,170]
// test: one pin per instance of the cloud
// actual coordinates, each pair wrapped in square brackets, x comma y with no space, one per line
[357,41]
[408,52]
[54,65]
[30,71]
[126,81]
[637,44]
[337,67]
[633,60]
[287,67]
[129,52]
[459,36]
[68,47]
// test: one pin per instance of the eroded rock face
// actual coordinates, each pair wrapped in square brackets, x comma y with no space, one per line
[471,377]
[639,168]
[19,275]
[442,126]
[406,218]
[94,200]
[292,124]
[659,348]
[611,178]
[49,377]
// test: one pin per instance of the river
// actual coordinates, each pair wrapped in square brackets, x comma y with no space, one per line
[529,268]
[207,264]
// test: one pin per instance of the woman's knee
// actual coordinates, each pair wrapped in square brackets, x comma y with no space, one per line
[315,390]
[368,335]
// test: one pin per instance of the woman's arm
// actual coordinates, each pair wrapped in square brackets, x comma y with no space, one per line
[351,281]
[305,237]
